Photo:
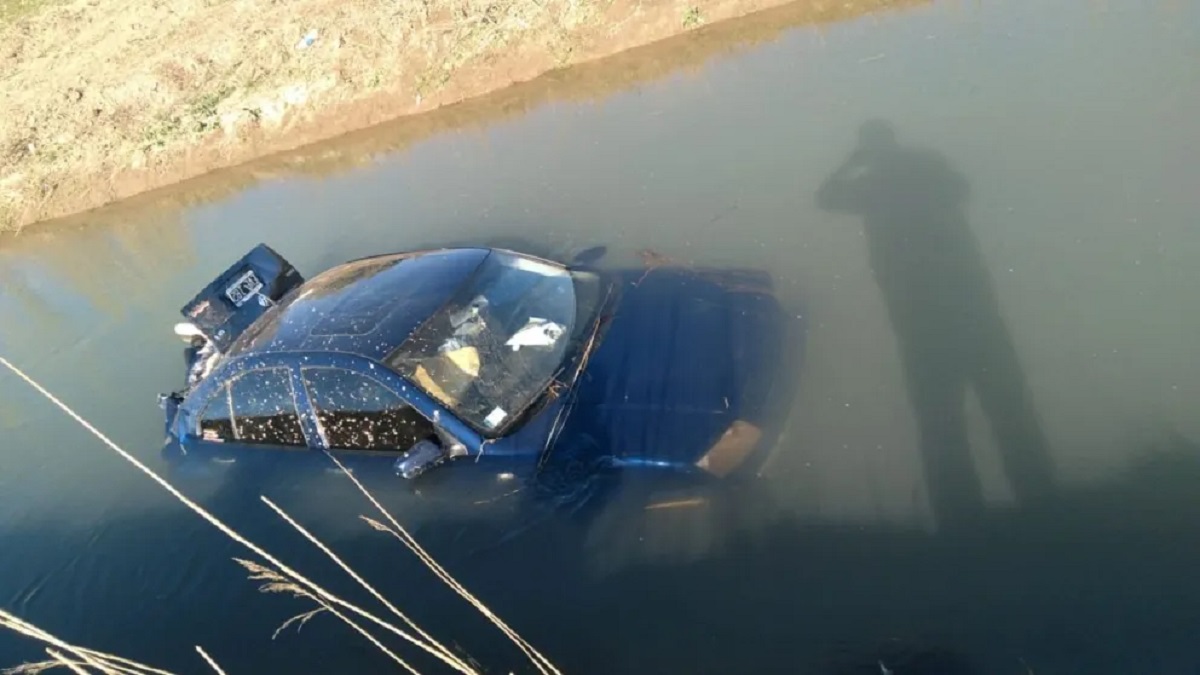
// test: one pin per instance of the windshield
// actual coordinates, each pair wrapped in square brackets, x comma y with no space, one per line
[490,351]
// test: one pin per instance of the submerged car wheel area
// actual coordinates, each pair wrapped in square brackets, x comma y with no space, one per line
[403,364]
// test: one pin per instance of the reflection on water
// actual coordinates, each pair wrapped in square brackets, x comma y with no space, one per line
[945,315]
[1031,586]
[1082,586]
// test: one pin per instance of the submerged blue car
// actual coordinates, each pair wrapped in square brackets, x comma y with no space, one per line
[476,364]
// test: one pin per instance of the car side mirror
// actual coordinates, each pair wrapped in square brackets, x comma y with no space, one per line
[421,457]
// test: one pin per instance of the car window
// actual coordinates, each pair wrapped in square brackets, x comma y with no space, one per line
[216,422]
[494,348]
[258,407]
[356,412]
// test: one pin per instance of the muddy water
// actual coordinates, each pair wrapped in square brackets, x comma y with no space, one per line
[992,458]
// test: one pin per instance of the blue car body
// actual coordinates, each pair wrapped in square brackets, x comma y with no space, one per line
[667,370]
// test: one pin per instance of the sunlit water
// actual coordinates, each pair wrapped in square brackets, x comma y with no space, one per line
[992,464]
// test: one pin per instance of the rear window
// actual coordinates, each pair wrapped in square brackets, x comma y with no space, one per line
[359,312]
[384,297]
[404,284]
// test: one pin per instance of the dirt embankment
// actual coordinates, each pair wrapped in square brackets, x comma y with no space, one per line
[104,100]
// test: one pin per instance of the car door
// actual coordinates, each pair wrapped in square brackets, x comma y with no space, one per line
[362,421]
[368,426]
[250,419]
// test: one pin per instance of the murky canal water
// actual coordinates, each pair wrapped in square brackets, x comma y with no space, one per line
[988,215]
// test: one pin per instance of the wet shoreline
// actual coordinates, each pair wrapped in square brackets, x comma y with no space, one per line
[327,139]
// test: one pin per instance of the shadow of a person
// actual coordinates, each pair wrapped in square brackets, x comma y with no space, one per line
[944,312]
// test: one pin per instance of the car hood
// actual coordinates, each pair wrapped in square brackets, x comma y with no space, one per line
[686,353]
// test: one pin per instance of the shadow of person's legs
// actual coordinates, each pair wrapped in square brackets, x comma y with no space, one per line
[1000,384]
[937,398]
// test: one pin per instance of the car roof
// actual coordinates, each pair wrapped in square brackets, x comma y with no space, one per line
[365,307]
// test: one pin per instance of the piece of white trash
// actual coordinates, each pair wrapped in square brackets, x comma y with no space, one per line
[308,39]
[536,333]
[495,417]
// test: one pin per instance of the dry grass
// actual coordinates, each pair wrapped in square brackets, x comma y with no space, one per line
[92,88]
[104,100]
[11,10]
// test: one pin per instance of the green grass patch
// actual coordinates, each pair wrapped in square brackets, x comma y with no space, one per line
[11,10]
[204,108]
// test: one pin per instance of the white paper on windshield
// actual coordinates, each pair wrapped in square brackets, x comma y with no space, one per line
[495,418]
[536,333]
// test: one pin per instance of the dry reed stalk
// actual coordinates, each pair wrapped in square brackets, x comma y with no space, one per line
[57,660]
[31,668]
[105,663]
[371,638]
[209,660]
[539,661]
[451,658]
[61,660]
[124,665]
[34,668]
[276,583]
[300,619]
[543,664]
[315,588]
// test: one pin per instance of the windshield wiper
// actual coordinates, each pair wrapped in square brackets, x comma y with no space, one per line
[556,427]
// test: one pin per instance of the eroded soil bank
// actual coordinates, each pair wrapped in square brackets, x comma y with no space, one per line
[103,101]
